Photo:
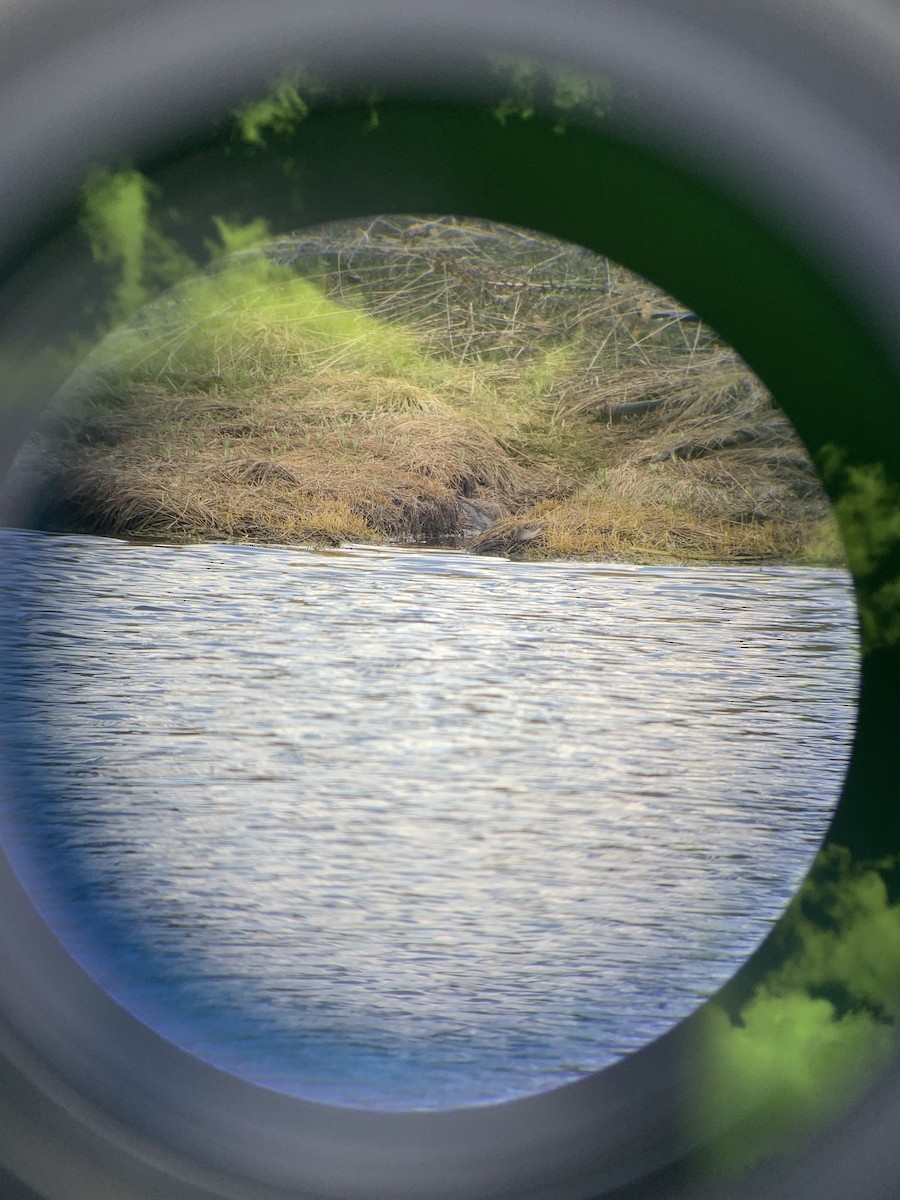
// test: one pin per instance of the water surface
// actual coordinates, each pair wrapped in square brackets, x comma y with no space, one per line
[409,829]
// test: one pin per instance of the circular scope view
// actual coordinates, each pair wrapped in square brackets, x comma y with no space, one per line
[430,667]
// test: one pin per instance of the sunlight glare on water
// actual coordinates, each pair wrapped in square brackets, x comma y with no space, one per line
[407,829]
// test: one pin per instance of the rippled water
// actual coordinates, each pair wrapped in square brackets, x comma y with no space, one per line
[415,829]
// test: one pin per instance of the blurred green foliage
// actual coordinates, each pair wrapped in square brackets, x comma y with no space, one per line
[281,111]
[117,221]
[818,1027]
[867,506]
[529,87]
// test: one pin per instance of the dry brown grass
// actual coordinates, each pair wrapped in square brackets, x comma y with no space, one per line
[429,376]
[330,470]
[595,526]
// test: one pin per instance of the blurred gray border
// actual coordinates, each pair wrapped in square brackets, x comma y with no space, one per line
[794,108]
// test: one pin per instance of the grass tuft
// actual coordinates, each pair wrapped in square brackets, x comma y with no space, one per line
[429,380]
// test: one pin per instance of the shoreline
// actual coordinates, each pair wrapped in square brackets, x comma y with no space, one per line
[140,494]
[645,557]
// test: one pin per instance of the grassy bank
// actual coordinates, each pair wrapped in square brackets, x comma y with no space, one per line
[429,381]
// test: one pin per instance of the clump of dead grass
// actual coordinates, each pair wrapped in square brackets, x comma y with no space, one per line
[593,526]
[404,377]
[329,470]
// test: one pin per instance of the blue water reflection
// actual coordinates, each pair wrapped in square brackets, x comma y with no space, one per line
[414,829]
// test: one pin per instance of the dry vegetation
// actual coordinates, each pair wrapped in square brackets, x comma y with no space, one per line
[432,381]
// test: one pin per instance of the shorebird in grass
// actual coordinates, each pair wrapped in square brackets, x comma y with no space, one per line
[479,515]
[507,536]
